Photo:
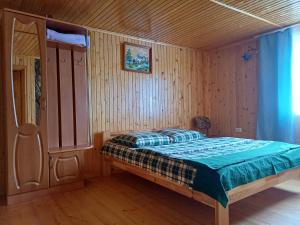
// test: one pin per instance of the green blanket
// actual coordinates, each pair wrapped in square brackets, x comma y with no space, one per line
[225,163]
[218,174]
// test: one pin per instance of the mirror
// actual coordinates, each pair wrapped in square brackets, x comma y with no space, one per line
[26,73]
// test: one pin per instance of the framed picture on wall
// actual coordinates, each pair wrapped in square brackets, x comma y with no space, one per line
[137,58]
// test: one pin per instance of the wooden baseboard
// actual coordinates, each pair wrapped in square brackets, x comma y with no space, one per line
[14,199]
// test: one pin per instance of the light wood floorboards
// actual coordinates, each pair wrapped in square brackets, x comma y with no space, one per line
[124,199]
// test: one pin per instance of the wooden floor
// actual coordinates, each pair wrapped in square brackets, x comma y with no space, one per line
[124,199]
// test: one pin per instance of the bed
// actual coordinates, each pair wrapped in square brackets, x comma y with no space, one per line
[214,171]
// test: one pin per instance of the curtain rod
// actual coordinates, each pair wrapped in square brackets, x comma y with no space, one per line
[277,30]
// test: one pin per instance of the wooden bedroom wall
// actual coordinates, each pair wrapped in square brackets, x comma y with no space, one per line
[230,89]
[28,63]
[171,96]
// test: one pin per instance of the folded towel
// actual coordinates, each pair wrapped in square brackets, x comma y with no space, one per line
[77,39]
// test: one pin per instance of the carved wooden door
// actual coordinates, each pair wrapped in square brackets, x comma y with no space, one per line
[27,152]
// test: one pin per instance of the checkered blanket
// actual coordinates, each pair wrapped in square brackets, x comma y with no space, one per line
[207,147]
[172,169]
[212,165]
[170,160]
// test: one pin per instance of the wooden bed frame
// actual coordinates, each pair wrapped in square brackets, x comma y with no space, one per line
[221,213]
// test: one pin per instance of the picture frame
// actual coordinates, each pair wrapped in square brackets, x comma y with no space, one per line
[137,58]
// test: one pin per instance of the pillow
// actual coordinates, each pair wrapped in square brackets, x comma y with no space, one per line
[142,138]
[181,135]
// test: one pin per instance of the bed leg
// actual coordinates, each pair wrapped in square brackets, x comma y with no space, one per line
[221,214]
[106,167]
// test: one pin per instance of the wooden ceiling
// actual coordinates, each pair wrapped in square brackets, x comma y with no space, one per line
[26,42]
[192,23]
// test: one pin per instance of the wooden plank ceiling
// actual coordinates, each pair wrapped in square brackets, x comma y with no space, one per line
[25,40]
[192,23]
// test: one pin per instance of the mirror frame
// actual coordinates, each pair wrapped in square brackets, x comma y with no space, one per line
[28,100]
[8,25]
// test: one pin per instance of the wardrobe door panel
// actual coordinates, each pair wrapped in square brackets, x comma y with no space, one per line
[66,98]
[26,111]
[53,118]
[28,160]
[81,98]
[65,167]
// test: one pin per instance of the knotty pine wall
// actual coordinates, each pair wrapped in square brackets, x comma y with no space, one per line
[171,96]
[28,63]
[230,89]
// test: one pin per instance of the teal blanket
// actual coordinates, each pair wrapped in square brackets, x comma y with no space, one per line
[225,163]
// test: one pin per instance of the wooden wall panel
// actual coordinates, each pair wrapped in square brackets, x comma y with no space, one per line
[52,87]
[123,100]
[230,89]
[120,100]
[81,98]
[66,98]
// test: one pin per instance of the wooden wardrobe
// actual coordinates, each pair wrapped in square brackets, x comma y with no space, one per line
[45,125]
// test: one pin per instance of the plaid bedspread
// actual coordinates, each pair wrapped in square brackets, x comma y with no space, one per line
[207,147]
[212,165]
[169,160]
[172,169]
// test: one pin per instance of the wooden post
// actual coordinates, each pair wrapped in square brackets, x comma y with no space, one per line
[106,166]
[221,214]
